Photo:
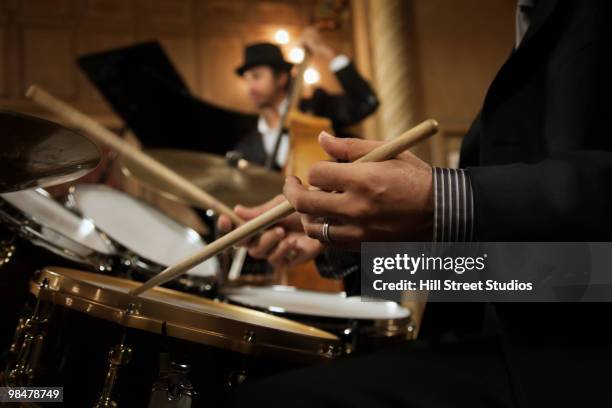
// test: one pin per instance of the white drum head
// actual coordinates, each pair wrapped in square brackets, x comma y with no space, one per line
[141,228]
[284,299]
[57,222]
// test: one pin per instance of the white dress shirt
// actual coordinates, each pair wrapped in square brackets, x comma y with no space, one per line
[269,134]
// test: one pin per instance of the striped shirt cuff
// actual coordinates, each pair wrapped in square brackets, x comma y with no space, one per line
[454,206]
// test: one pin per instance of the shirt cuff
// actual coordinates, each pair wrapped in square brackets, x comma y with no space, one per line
[453,206]
[339,62]
[335,263]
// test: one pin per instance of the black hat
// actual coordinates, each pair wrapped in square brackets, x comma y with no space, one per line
[263,54]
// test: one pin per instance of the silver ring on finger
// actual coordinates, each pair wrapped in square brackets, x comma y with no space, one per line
[325,233]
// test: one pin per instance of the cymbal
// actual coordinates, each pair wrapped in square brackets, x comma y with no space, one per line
[245,183]
[39,153]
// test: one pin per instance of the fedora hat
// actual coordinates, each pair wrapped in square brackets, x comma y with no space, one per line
[263,54]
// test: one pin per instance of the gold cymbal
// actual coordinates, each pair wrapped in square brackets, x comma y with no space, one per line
[246,183]
[40,153]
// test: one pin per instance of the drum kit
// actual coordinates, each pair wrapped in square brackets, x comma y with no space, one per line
[70,267]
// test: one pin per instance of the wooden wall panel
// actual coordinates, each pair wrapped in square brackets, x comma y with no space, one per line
[3,62]
[461,45]
[220,55]
[183,53]
[46,12]
[49,60]
[106,15]
[167,15]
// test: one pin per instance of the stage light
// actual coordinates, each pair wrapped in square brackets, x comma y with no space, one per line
[311,76]
[282,36]
[296,55]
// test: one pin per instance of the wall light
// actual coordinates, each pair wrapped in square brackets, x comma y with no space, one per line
[296,55]
[282,36]
[311,76]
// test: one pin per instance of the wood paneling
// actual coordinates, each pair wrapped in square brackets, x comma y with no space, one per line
[45,12]
[106,15]
[461,46]
[220,55]
[49,60]
[40,41]
[3,62]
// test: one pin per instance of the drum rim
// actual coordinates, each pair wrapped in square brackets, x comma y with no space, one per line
[129,256]
[29,227]
[379,327]
[66,290]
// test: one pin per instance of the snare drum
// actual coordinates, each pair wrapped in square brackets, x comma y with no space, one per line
[80,316]
[149,240]
[363,324]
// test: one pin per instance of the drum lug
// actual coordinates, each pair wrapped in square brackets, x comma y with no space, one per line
[349,338]
[7,249]
[411,331]
[30,333]
[118,355]
[239,376]
[330,351]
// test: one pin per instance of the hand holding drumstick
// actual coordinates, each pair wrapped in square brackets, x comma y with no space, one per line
[386,151]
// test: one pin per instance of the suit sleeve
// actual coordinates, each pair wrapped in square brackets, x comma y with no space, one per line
[356,102]
[568,195]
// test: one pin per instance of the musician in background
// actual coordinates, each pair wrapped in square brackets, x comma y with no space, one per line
[268,78]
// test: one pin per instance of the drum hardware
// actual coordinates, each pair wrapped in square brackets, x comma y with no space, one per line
[27,344]
[349,338]
[239,376]
[173,389]
[7,249]
[119,355]
[331,351]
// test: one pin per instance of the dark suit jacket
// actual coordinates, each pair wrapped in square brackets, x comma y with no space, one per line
[356,103]
[539,155]
[540,160]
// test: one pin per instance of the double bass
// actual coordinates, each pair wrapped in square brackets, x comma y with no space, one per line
[304,151]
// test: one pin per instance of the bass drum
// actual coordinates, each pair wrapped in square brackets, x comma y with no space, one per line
[364,324]
[36,231]
[166,347]
[148,239]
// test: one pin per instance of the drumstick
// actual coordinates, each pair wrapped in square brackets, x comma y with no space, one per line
[385,152]
[104,136]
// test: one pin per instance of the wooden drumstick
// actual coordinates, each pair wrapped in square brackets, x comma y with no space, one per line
[385,152]
[104,136]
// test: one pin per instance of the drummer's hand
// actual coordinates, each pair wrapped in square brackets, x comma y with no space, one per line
[283,245]
[314,42]
[385,201]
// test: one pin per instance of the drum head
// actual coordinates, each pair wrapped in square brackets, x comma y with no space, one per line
[186,316]
[58,225]
[285,299]
[142,229]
